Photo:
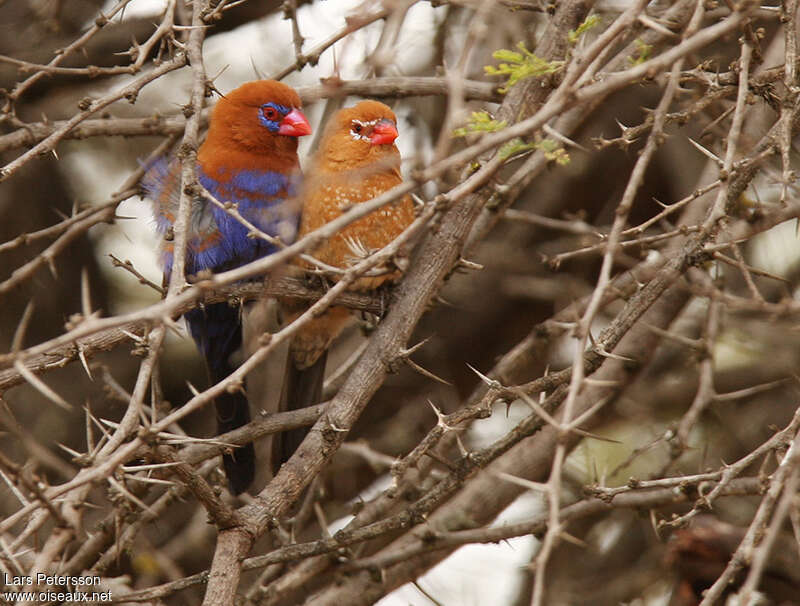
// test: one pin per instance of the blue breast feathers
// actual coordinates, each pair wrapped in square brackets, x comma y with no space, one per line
[216,240]
[263,199]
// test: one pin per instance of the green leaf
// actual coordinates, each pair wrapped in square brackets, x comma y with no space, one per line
[552,151]
[520,65]
[480,122]
[514,147]
[504,54]
[643,52]
[588,23]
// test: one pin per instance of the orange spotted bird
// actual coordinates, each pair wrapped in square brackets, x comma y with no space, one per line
[357,160]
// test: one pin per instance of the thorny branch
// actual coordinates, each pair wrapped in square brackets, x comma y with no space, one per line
[671,278]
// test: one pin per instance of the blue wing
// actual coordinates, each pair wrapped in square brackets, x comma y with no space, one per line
[216,240]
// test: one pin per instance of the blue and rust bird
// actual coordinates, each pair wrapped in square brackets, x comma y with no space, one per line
[357,161]
[248,158]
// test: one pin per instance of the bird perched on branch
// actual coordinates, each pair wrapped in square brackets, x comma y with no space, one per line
[249,158]
[356,161]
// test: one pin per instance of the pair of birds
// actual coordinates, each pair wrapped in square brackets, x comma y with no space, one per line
[249,158]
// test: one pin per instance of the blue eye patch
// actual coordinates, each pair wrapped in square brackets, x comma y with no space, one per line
[272,125]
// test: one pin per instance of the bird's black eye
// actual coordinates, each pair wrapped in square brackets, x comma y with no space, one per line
[269,113]
[357,128]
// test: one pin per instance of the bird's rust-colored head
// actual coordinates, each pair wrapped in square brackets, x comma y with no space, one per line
[359,136]
[261,118]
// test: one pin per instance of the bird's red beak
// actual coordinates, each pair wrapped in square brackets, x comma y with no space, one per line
[294,124]
[383,133]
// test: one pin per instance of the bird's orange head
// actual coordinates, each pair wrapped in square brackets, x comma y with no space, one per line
[261,117]
[358,136]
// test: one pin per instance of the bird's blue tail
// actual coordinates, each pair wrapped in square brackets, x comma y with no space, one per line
[217,330]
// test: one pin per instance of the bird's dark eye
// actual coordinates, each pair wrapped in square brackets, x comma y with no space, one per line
[269,113]
[357,128]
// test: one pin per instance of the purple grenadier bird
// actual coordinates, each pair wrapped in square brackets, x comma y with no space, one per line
[249,158]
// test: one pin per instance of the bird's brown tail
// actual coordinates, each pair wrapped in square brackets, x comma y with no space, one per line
[301,388]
